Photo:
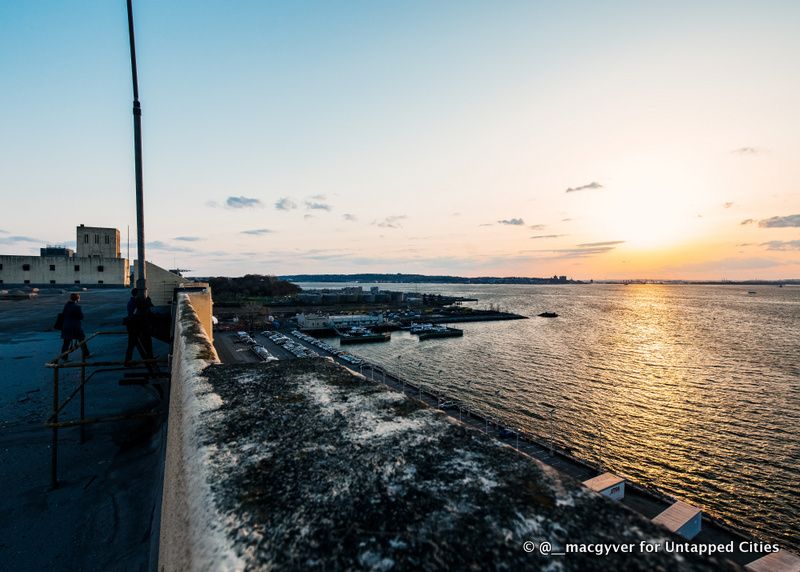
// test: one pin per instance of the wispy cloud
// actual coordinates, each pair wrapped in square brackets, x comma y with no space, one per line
[187,238]
[596,244]
[537,226]
[541,236]
[159,245]
[566,219]
[242,202]
[747,221]
[392,221]
[17,239]
[747,151]
[349,217]
[3,231]
[319,197]
[780,221]
[591,186]
[307,216]
[285,204]
[512,221]
[257,231]
[582,252]
[318,206]
[728,205]
[487,224]
[782,245]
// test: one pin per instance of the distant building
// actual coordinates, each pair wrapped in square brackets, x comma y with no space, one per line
[96,262]
[324,322]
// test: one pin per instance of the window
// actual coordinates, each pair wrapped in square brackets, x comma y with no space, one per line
[26,266]
[1,266]
[77,282]
[1,281]
[52,268]
[99,281]
[27,281]
[97,239]
[52,282]
[77,268]
[85,239]
[108,239]
[100,268]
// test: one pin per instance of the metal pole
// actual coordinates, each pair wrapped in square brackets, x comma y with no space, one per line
[54,443]
[83,403]
[141,281]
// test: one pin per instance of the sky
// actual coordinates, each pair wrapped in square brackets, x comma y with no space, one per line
[592,139]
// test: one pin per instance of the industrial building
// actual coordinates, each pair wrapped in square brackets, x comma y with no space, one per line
[95,262]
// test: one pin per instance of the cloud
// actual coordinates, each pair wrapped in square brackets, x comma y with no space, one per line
[349,217]
[782,245]
[392,221]
[242,202]
[582,252]
[540,236]
[455,214]
[537,227]
[566,219]
[159,245]
[591,186]
[780,221]
[747,221]
[596,244]
[318,206]
[318,197]
[747,151]
[308,216]
[3,231]
[285,204]
[728,205]
[487,224]
[257,231]
[512,221]
[17,239]
[212,204]
[187,238]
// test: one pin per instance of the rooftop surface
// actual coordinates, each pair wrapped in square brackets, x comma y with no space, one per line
[313,467]
[104,512]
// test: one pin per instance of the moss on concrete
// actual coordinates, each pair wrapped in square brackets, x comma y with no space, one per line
[314,468]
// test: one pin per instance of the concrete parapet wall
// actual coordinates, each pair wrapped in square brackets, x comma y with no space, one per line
[190,537]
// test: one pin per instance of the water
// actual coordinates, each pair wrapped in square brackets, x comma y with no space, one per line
[690,389]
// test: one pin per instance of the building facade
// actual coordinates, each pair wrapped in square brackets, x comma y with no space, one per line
[96,262]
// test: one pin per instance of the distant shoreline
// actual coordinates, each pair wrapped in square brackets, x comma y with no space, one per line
[425,279]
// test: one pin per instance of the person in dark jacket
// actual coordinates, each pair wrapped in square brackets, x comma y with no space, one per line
[137,322]
[72,329]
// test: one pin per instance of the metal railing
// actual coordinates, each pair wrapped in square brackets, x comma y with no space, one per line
[54,421]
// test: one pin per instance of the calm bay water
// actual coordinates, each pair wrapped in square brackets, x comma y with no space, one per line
[694,390]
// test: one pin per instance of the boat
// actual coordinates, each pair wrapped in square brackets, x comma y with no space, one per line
[751,292]
[548,315]
[428,331]
[359,334]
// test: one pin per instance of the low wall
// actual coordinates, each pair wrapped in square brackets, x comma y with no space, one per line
[190,538]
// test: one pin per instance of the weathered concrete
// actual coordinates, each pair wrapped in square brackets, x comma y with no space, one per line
[191,534]
[305,465]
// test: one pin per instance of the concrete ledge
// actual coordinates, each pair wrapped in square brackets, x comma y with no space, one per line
[192,537]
